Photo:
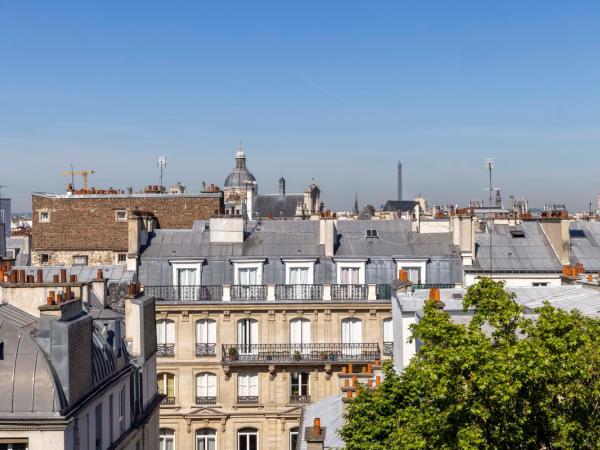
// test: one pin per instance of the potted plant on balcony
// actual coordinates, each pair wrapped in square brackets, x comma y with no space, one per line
[232,353]
[323,356]
[297,356]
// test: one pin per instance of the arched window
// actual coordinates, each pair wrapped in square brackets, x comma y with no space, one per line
[206,337]
[352,336]
[206,439]
[299,332]
[388,336]
[247,439]
[294,439]
[166,387]
[206,388]
[166,439]
[248,336]
[165,337]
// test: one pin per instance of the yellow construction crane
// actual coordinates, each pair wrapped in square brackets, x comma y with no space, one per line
[83,173]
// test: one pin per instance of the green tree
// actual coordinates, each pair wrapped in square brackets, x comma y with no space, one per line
[507,380]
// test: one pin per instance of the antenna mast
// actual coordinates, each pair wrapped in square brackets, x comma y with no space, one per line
[490,163]
[161,163]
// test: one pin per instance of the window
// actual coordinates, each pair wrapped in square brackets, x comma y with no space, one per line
[299,333]
[206,337]
[44,216]
[294,439]
[414,274]
[80,260]
[248,388]
[299,387]
[45,258]
[206,439]
[206,388]
[372,234]
[350,275]
[121,258]
[166,387]
[248,276]
[121,216]
[299,275]
[186,282]
[299,271]
[248,439]
[247,336]
[351,335]
[98,441]
[166,439]
[165,336]
[517,233]
[16,444]
[416,269]
[248,273]
[388,337]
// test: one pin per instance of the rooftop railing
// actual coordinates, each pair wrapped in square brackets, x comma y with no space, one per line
[248,292]
[349,291]
[299,353]
[432,285]
[185,293]
[299,292]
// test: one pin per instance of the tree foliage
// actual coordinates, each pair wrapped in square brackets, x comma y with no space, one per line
[503,381]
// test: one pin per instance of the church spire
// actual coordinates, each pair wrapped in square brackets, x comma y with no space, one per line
[355,203]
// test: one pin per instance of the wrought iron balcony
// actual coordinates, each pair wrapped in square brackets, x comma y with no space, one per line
[432,285]
[388,349]
[248,293]
[384,292]
[192,293]
[247,399]
[168,401]
[299,353]
[206,349]
[299,398]
[206,400]
[349,291]
[299,292]
[165,350]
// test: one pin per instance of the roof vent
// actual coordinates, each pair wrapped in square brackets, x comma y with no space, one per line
[517,233]
[372,234]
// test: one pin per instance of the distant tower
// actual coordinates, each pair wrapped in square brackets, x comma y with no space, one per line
[356,203]
[399,180]
[282,187]
[498,199]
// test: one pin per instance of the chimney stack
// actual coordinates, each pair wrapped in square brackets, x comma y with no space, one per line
[315,435]
[282,187]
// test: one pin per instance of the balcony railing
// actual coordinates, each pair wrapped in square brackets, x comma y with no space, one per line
[349,291]
[248,292]
[388,349]
[384,292]
[299,292]
[432,285]
[168,401]
[165,350]
[193,293]
[299,398]
[299,353]
[206,400]
[247,399]
[206,349]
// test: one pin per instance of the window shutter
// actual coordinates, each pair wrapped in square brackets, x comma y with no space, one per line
[170,334]
[212,332]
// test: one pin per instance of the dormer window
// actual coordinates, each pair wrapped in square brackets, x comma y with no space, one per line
[372,234]
[517,233]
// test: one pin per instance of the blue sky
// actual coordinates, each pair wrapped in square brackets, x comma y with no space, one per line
[335,91]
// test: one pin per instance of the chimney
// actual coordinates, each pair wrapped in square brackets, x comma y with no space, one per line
[557,233]
[226,230]
[99,288]
[282,187]
[327,235]
[399,180]
[315,436]
[463,235]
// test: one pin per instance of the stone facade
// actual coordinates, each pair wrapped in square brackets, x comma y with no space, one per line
[96,226]
[275,414]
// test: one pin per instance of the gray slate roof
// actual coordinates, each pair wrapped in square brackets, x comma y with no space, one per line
[585,245]
[277,205]
[400,205]
[330,411]
[531,253]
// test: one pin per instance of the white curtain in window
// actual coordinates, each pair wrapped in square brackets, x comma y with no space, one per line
[388,330]
[299,331]
[206,440]
[247,335]
[248,385]
[166,439]
[248,276]
[351,331]
[165,332]
[187,277]
[299,275]
[349,275]
[206,332]
[206,385]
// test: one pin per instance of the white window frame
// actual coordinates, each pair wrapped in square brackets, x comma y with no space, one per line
[359,264]
[257,264]
[187,264]
[118,255]
[206,374]
[248,375]
[197,436]
[295,431]
[40,216]
[163,437]
[124,219]
[413,263]
[254,432]
[166,322]
[300,264]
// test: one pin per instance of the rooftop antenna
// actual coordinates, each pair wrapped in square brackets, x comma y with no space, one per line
[72,176]
[490,164]
[161,163]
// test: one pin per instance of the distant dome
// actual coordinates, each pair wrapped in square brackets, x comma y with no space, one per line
[240,174]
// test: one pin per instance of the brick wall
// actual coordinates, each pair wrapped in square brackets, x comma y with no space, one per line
[89,223]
